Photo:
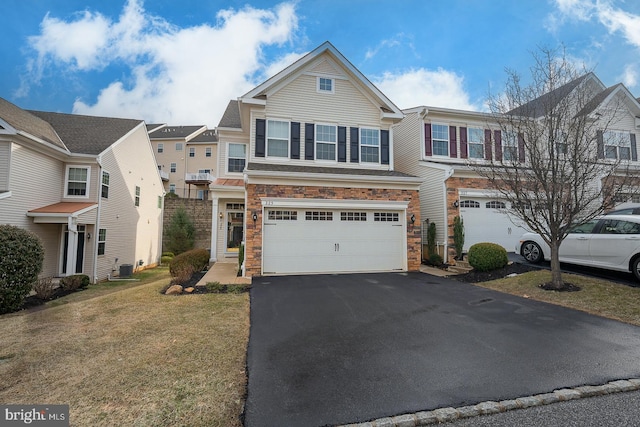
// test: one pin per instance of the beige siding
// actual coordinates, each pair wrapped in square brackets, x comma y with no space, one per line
[5,161]
[133,233]
[200,161]
[326,67]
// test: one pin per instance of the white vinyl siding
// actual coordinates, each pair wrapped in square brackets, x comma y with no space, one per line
[5,161]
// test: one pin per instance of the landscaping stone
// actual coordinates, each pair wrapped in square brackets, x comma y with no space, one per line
[446,414]
[486,408]
[404,421]
[174,290]
[567,394]
[468,411]
[426,418]
[189,289]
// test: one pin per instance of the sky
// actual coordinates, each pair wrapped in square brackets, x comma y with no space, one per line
[180,62]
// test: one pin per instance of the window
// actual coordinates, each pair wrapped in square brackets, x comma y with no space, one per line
[277,138]
[614,226]
[192,151]
[178,146]
[282,215]
[585,228]
[476,143]
[318,216]
[326,142]
[509,146]
[204,171]
[495,204]
[137,200]
[159,202]
[77,181]
[200,195]
[617,145]
[102,240]
[235,206]
[386,217]
[353,216]
[160,148]
[469,204]
[207,152]
[172,188]
[369,145]
[440,139]
[172,168]
[237,157]
[105,185]
[325,85]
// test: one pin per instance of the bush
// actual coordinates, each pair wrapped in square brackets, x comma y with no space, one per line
[215,287]
[435,259]
[44,288]
[168,254]
[21,259]
[75,282]
[431,238]
[165,259]
[197,259]
[458,236]
[487,256]
[181,274]
[180,234]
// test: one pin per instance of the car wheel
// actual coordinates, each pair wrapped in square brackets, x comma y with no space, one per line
[532,252]
[635,268]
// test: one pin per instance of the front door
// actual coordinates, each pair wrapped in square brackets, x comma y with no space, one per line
[235,229]
[79,250]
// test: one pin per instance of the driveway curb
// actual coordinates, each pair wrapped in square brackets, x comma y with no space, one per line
[490,407]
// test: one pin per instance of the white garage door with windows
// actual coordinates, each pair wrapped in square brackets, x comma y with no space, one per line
[325,239]
[486,220]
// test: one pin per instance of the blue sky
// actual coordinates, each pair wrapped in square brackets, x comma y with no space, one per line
[180,62]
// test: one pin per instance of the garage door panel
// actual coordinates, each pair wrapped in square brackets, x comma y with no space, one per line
[336,245]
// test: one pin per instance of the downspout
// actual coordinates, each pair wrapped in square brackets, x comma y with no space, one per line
[96,231]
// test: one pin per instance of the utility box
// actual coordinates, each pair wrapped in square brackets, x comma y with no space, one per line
[126,270]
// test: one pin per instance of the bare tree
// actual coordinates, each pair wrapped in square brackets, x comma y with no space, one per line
[555,161]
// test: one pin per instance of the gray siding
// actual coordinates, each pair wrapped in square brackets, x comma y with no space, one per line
[5,162]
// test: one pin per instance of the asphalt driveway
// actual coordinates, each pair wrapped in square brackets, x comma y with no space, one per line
[335,349]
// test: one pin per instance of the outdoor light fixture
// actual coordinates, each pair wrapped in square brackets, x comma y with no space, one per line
[255,217]
[88,236]
[221,215]
[455,204]
[413,218]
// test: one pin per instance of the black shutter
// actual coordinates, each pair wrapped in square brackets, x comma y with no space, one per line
[355,149]
[384,147]
[600,144]
[342,144]
[464,148]
[261,131]
[634,149]
[308,141]
[295,140]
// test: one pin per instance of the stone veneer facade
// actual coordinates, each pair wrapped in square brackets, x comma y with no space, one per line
[255,193]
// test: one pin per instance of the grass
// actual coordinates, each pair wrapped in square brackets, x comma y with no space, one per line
[599,297]
[123,354]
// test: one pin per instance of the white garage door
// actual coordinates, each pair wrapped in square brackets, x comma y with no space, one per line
[332,241]
[486,220]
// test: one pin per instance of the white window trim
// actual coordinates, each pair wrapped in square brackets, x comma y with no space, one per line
[622,139]
[192,150]
[469,143]
[245,155]
[316,142]
[160,148]
[136,196]
[101,241]
[208,152]
[433,154]
[66,182]
[512,147]
[379,146]
[102,184]
[266,142]
[170,167]
[333,85]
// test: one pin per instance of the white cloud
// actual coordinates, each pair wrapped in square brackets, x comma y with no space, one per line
[177,75]
[630,76]
[417,87]
[282,63]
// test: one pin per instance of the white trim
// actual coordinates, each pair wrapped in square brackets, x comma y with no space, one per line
[266,140]
[333,85]
[5,195]
[316,142]
[270,202]
[472,192]
[66,194]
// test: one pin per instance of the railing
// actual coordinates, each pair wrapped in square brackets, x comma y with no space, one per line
[191,193]
[199,177]
[164,175]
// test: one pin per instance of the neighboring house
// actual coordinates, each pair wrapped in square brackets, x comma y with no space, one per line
[87,186]
[186,157]
[306,175]
[440,144]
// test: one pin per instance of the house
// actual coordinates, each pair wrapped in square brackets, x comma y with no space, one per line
[87,186]
[186,157]
[306,175]
[442,144]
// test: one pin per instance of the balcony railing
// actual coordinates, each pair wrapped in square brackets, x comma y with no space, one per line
[164,175]
[195,178]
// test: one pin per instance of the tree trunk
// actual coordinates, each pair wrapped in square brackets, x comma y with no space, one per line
[556,276]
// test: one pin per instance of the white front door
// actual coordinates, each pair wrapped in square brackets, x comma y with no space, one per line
[333,241]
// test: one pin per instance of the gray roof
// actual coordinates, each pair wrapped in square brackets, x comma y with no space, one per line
[24,121]
[88,134]
[208,135]
[173,132]
[545,103]
[597,100]
[324,170]
[231,116]
[154,126]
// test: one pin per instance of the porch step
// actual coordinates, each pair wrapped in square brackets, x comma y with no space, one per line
[463,264]
[459,269]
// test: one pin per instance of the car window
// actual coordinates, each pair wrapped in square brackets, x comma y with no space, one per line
[587,227]
[615,226]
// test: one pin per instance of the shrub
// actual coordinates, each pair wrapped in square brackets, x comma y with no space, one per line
[458,236]
[487,256]
[198,259]
[75,282]
[44,288]
[435,259]
[181,274]
[165,259]
[180,234]
[168,254]
[216,287]
[21,259]
[431,238]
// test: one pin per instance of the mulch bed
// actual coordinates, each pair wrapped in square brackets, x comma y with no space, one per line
[475,276]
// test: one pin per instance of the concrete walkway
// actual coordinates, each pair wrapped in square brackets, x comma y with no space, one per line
[224,273]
